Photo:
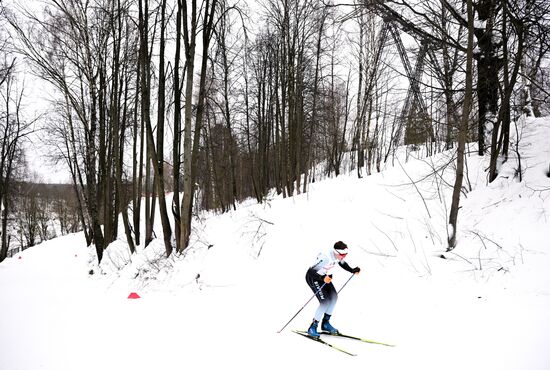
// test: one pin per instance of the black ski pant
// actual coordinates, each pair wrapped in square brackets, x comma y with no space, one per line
[325,293]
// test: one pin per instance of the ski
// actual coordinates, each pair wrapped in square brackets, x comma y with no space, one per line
[340,335]
[319,340]
[357,338]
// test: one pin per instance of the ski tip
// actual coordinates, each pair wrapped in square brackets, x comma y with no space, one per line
[341,335]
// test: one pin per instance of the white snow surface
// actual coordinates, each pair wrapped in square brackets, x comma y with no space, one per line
[220,305]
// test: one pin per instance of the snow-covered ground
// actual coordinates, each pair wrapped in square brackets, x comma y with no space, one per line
[483,306]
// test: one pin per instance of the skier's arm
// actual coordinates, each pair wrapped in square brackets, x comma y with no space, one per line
[348,268]
[319,278]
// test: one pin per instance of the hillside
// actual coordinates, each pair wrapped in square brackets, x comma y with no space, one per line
[482,306]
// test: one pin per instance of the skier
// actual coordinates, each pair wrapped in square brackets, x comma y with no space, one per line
[319,279]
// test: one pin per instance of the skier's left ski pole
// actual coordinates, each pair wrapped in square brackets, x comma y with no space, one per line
[300,310]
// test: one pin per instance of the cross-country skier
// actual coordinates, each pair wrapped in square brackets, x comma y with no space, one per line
[319,279]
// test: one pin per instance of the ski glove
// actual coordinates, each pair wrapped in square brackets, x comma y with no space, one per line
[327,279]
[355,270]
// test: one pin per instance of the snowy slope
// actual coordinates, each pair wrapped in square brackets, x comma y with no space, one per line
[484,306]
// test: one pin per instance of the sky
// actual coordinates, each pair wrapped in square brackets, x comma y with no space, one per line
[221,304]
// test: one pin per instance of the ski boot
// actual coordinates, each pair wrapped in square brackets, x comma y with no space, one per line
[312,331]
[326,327]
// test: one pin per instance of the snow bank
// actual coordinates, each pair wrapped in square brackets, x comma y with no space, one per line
[483,306]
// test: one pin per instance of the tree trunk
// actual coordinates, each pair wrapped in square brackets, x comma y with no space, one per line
[157,156]
[504,111]
[137,165]
[313,123]
[177,131]
[119,128]
[189,36]
[462,132]
[488,68]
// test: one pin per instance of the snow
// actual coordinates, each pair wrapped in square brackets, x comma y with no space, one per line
[484,306]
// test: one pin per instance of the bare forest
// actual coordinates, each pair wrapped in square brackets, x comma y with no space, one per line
[219,101]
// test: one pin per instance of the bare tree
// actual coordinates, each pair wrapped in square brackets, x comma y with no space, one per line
[519,34]
[225,50]
[176,145]
[13,130]
[69,46]
[156,153]
[191,142]
[462,132]
[118,110]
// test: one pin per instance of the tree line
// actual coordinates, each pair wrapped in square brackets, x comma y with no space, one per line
[40,212]
[217,102]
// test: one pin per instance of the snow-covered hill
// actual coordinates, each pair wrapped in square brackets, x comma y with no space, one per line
[483,306]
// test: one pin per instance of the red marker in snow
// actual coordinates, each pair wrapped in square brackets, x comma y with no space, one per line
[133,295]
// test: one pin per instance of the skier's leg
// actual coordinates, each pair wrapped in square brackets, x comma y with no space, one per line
[331,299]
[327,297]
[312,279]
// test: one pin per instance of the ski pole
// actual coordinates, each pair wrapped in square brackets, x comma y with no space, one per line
[339,290]
[300,310]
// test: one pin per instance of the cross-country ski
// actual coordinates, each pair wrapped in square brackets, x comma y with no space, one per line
[351,337]
[319,340]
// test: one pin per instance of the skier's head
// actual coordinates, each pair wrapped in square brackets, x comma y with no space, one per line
[340,250]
